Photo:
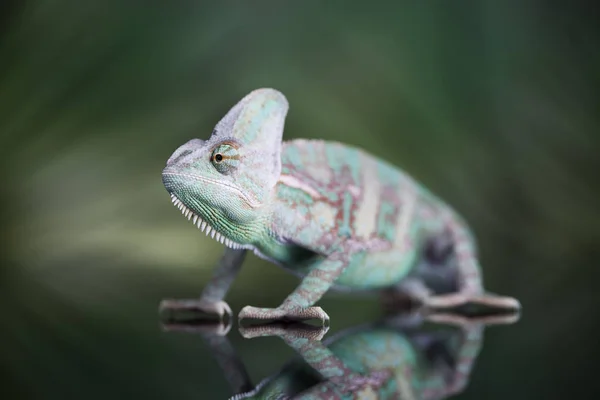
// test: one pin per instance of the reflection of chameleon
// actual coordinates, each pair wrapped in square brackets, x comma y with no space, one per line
[331,213]
[399,357]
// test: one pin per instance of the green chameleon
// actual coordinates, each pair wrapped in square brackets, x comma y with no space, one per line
[333,214]
[401,356]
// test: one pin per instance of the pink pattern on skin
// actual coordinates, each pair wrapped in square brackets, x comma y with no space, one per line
[354,190]
[375,244]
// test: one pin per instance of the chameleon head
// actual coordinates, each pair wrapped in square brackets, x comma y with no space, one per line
[224,184]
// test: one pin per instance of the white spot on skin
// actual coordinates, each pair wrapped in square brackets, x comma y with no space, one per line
[366,216]
[322,175]
[324,215]
[293,182]
[409,201]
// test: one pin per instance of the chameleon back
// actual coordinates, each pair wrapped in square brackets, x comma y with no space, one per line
[340,194]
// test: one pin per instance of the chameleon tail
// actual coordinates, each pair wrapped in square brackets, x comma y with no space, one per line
[470,341]
[470,279]
[470,285]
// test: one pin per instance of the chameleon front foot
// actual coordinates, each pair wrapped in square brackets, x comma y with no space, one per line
[195,307]
[284,330]
[291,314]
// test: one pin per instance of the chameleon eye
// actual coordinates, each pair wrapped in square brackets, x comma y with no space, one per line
[225,158]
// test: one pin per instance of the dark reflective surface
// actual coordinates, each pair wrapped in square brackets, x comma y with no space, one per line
[405,355]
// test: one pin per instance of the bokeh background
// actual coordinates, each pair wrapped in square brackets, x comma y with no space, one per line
[493,105]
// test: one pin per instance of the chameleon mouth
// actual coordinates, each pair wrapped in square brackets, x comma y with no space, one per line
[203,225]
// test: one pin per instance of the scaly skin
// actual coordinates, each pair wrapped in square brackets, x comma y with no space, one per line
[330,213]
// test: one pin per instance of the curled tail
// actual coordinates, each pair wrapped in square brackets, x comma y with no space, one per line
[469,271]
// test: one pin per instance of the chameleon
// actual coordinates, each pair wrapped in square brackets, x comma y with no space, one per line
[333,214]
[403,355]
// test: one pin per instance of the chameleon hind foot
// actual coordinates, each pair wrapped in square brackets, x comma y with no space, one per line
[284,314]
[195,306]
[487,301]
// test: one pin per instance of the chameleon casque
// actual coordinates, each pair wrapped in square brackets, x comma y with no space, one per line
[333,214]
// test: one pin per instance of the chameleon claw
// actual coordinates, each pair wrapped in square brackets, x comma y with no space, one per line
[219,308]
[293,314]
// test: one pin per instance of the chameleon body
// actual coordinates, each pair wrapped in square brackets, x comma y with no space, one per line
[331,213]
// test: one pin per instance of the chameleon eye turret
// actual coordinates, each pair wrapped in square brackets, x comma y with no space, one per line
[225,158]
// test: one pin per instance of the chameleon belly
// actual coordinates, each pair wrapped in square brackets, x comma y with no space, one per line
[341,196]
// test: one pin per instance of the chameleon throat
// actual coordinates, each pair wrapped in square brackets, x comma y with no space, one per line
[203,225]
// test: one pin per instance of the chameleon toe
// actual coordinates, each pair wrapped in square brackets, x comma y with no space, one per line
[284,330]
[293,314]
[250,312]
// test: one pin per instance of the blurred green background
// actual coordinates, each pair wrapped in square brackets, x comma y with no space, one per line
[493,105]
